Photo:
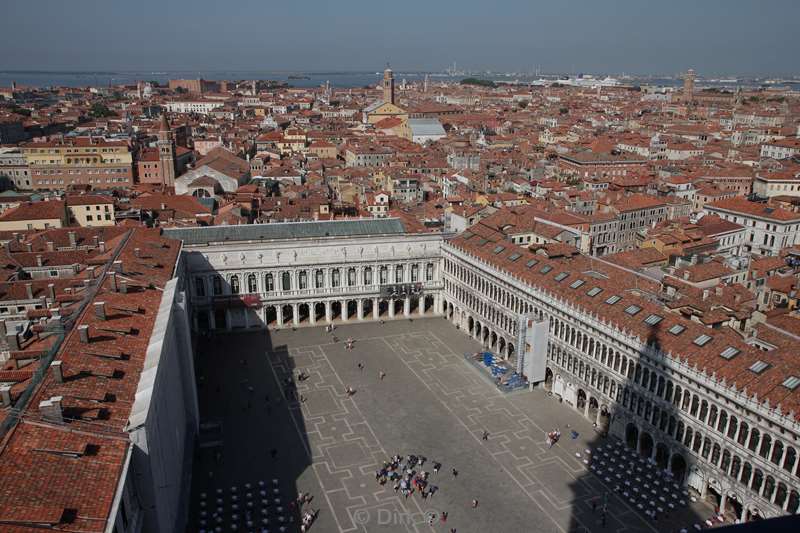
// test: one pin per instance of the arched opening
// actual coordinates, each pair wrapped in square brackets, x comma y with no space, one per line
[548,379]
[733,507]
[383,308]
[352,309]
[713,495]
[427,302]
[593,408]
[272,315]
[794,502]
[288,314]
[471,325]
[367,308]
[303,313]
[336,310]
[580,404]
[631,436]
[646,445]
[485,336]
[662,456]
[604,419]
[511,352]
[493,341]
[501,345]
[414,304]
[319,311]
[398,306]
[678,467]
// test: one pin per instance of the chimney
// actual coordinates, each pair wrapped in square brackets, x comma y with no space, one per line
[100,310]
[29,290]
[2,328]
[28,247]
[706,292]
[51,409]
[117,266]
[39,261]
[136,252]
[96,240]
[83,332]
[51,246]
[163,206]
[51,291]
[90,271]
[5,395]
[73,239]
[15,236]
[123,287]
[102,246]
[13,341]
[718,290]
[58,373]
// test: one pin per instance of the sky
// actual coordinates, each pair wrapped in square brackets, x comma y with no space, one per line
[568,36]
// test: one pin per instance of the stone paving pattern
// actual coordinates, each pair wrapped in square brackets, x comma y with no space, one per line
[432,403]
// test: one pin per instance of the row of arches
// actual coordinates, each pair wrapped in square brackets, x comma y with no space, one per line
[282,281]
[652,396]
[314,312]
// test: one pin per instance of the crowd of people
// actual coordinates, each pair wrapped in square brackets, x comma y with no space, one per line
[552,437]
[408,476]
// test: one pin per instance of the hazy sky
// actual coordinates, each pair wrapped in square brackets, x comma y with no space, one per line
[632,36]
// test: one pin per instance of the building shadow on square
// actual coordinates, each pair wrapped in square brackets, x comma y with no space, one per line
[253,447]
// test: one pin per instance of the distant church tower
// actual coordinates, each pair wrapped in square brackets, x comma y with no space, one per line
[688,85]
[166,152]
[388,86]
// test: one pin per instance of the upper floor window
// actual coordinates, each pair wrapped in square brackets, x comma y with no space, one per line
[199,287]
[286,281]
[302,280]
[235,285]
[217,285]
[269,283]
[252,285]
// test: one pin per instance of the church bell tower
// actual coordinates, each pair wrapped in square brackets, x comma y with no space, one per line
[388,86]
[166,153]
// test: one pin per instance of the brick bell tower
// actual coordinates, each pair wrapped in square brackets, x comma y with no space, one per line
[388,86]
[166,152]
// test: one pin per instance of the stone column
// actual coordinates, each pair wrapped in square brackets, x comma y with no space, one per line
[375,309]
[279,315]
[228,319]
[421,306]
[344,310]
[407,306]
[295,314]
[312,313]
[328,312]
[391,308]
[723,500]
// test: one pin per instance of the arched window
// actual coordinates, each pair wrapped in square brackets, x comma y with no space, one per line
[199,287]
[269,283]
[429,272]
[414,272]
[286,281]
[351,277]
[368,276]
[234,284]
[335,277]
[302,280]
[398,274]
[319,279]
[252,286]
[217,285]
[384,275]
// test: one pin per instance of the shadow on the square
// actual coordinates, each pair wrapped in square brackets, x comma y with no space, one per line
[252,451]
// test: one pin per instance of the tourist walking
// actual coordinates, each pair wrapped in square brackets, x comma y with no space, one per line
[485,435]
[474,504]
